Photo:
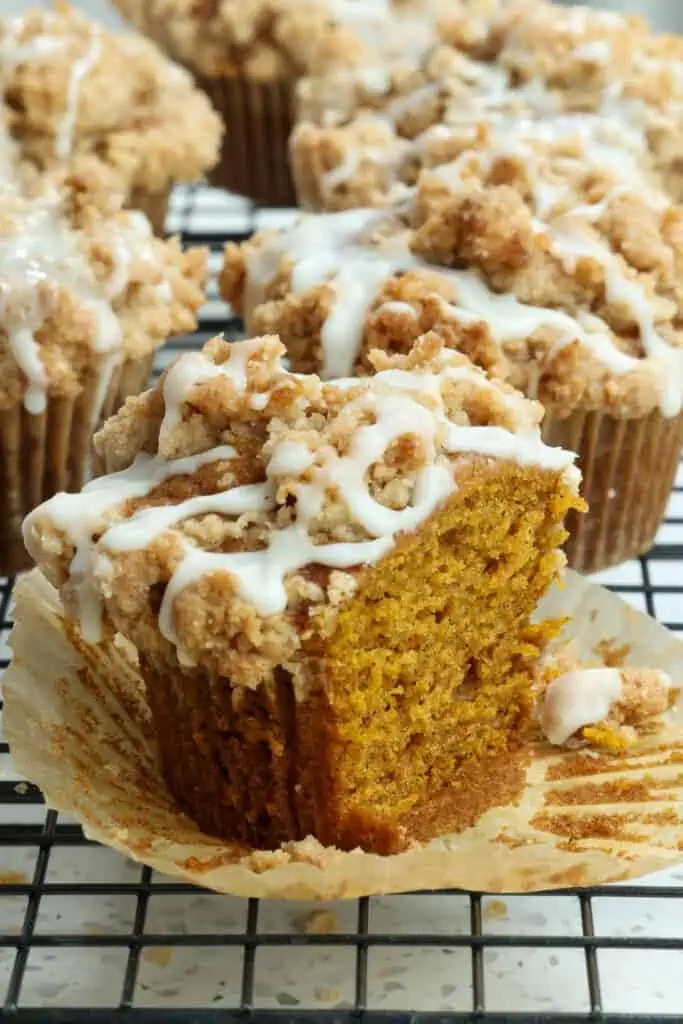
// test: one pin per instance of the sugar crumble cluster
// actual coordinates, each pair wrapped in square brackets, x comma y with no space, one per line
[64,101]
[551,265]
[494,69]
[84,287]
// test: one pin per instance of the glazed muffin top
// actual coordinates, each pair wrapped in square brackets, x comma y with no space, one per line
[556,265]
[71,88]
[530,40]
[83,286]
[273,39]
[243,501]
[496,64]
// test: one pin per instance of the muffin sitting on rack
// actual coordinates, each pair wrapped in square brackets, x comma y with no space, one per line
[87,294]
[72,89]
[556,266]
[296,562]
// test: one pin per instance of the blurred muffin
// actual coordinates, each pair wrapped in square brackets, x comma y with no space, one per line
[248,55]
[554,265]
[72,89]
[500,69]
[87,294]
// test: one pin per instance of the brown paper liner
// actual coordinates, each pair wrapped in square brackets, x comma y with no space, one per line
[308,175]
[153,204]
[628,469]
[254,160]
[80,728]
[50,452]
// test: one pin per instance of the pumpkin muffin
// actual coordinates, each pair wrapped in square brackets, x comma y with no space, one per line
[329,587]
[249,54]
[500,68]
[71,89]
[552,265]
[87,294]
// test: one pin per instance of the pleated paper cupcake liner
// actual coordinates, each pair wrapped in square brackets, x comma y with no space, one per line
[308,175]
[254,160]
[628,469]
[50,452]
[79,727]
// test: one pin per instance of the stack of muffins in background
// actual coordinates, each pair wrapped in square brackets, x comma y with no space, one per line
[523,153]
[526,158]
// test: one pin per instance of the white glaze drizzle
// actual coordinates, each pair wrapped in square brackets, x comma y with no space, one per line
[385,28]
[193,368]
[587,696]
[13,53]
[82,515]
[390,399]
[330,249]
[45,251]
[577,699]
[80,68]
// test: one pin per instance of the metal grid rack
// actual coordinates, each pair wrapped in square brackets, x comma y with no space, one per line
[88,936]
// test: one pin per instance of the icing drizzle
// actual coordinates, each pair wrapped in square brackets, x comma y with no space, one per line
[40,251]
[393,404]
[333,249]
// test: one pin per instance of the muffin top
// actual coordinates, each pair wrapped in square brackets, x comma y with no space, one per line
[273,39]
[71,88]
[366,161]
[243,501]
[83,286]
[554,264]
[495,64]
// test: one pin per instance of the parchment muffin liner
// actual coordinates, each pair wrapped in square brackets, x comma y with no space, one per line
[49,452]
[308,175]
[628,468]
[254,160]
[79,727]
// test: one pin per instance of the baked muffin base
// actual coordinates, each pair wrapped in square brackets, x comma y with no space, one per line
[79,726]
[50,452]
[406,729]
[628,469]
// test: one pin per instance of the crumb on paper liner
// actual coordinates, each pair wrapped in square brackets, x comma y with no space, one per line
[79,727]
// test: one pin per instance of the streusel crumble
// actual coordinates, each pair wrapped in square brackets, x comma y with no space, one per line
[72,88]
[555,265]
[248,54]
[498,68]
[87,294]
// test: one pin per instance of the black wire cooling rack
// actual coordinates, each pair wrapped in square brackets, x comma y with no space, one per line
[88,936]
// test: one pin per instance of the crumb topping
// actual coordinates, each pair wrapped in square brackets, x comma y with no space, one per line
[84,285]
[496,65]
[65,96]
[597,703]
[270,39]
[242,500]
[554,263]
